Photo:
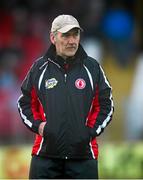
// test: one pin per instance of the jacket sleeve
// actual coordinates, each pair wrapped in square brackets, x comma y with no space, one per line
[101,110]
[29,105]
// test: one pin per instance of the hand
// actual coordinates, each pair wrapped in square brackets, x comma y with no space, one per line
[41,128]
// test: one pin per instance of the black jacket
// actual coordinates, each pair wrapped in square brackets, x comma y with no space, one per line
[76,102]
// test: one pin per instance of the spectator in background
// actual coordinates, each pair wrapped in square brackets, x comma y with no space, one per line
[119,30]
[134,110]
[9,62]
[28,34]
[9,59]
[92,41]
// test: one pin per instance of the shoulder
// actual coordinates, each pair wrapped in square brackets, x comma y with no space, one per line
[91,63]
[37,67]
[39,63]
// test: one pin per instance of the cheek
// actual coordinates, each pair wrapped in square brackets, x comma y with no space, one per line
[78,40]
[60,47]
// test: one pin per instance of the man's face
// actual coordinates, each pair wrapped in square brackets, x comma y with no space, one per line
[67,43]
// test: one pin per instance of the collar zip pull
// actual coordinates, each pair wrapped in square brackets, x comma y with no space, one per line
[65,77]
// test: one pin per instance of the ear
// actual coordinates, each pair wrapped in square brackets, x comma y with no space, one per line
[52,38]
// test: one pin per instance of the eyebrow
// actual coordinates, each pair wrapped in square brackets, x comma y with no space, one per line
[72,32]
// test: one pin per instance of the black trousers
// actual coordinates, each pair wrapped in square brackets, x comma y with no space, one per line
[49,168]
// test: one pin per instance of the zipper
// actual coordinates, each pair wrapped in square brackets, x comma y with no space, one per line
[66,131]
[65,75]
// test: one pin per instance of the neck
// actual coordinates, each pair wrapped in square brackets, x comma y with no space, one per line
[66,57]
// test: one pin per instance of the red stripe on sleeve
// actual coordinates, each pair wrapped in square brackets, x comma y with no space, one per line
[94,110]
[38,113]
[36,106]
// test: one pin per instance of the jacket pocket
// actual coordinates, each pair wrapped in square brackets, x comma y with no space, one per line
[85,135]
[82,136]
[79,145]
[45,130]
[50,139]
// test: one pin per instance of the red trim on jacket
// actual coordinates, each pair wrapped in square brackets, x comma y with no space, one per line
[94,110]
[38,113]
[94,147]
[91,120]
[37,142]
[36,106]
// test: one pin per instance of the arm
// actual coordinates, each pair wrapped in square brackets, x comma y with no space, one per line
[29,106]
[101,110]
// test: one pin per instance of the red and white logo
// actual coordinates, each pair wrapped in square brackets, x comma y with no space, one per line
[80,83]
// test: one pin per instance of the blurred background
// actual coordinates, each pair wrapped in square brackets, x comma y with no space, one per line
[113,34]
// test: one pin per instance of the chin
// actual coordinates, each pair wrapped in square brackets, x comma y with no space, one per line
[71,54]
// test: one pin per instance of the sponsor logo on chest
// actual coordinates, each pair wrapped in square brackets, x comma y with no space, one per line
[50,83]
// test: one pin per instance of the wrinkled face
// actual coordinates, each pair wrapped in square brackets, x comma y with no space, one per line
[66,43]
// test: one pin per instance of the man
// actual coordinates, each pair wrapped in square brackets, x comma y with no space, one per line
[66,100]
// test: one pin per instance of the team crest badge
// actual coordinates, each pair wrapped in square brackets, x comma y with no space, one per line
[50,83]
[80,83]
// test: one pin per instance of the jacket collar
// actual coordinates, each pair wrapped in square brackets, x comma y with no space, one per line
[78,58]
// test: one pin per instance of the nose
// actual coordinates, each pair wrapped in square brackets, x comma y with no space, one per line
[71,39]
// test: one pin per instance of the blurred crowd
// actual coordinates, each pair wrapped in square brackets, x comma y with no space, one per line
[110,28]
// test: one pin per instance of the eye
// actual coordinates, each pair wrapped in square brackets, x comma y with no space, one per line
[76,33]
[65,35]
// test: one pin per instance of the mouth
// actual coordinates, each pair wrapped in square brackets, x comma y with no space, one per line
[71,48]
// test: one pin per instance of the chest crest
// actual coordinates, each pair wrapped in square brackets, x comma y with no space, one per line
[80,83]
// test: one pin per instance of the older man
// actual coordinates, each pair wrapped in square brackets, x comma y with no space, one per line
[66,100]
